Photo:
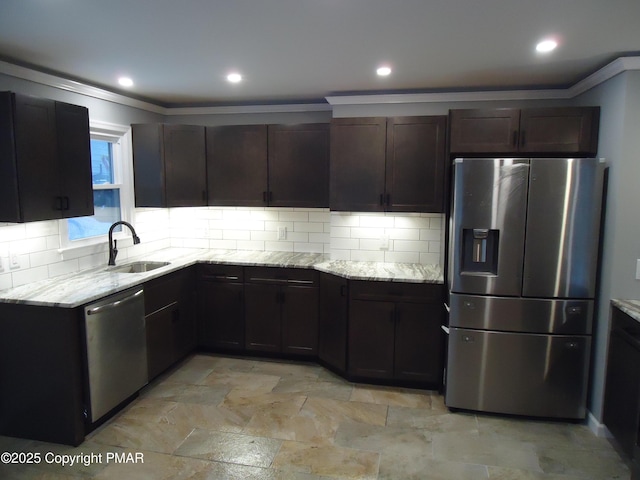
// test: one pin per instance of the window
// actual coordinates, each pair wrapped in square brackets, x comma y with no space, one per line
[109,148]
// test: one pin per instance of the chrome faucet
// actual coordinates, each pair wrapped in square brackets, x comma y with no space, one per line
[113,250]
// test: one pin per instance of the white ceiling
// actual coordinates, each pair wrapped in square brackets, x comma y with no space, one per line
[179,52]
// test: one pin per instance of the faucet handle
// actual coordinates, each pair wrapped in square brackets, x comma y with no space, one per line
[115,248]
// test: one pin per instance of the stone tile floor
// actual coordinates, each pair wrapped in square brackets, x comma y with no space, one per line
[216,417]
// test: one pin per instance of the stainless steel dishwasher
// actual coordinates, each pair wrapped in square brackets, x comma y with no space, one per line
[116,350]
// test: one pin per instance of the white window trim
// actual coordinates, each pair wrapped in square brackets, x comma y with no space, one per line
[120,135]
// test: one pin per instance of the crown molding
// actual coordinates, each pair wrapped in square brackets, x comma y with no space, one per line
[239,109]
[619,65]
[610,70]
[55,81]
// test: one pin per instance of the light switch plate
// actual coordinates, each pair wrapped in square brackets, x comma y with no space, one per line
[282,233]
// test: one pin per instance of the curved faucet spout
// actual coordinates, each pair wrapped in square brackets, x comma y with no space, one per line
[113,251]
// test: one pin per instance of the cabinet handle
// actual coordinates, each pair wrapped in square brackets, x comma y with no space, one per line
[267,280]
[523,138]
[301,282]
[65,203]
[343,290]
[219,277]
[265,197]
[382,199]
[58,204]
[514,141]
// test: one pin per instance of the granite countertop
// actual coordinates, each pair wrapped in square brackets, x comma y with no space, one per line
[74,290]
[630,307]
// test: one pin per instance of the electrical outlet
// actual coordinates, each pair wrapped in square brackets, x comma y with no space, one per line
[282,233]
[384,242]
[13,261]
[638,269]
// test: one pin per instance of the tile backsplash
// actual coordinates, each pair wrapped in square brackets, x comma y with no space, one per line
[384,237]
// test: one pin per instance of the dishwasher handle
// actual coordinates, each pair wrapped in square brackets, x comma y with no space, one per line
[117,303]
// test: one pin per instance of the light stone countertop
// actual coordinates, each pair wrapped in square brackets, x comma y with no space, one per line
[630,307]
[76,289]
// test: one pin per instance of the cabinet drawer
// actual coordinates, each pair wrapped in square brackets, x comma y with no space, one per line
[395,291]
[281,276]
[220,273]
[160,292]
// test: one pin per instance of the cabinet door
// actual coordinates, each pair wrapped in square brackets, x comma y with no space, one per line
[357,164]
[221,315]
[74,152]
[300,320]
[237,165]
[492,130]
[185,166]
[622,394]
[419,342]
[332,330]
[371,333]
[571,130]
[415,164]
[160,333]
[263,330]
[37,158]
[148,165]
[299,165]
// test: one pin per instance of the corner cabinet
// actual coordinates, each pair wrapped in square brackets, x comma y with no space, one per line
[274,165]
[281,310]
[395,332]
[333,322]
[534,131]
[388,164]
[45,159]
[169,165]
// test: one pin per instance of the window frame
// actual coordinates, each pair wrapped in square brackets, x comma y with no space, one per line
[120,137]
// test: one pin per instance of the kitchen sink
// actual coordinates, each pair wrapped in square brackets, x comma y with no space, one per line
[137,267]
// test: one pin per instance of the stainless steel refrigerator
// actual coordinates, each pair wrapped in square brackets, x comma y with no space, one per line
[523,265]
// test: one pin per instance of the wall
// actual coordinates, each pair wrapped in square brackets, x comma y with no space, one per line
[619,144]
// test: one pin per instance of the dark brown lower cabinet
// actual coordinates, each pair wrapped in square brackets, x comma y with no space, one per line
[333,318]
[221,307]
[395,332]
[42,377]
[281,310]
[170,316]
[622,392]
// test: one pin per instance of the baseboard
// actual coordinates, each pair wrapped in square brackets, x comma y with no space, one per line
[598,429]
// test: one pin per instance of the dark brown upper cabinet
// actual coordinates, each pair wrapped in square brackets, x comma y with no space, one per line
[534,131]
[169,165]
[45,159]
[237,165]
[275,165]
[388,164]
[299,165]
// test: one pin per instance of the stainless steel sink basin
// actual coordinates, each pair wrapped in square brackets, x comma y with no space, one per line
[137,267]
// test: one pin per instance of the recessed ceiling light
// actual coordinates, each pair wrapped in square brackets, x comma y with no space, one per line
[125,82]
[546,46]
[234,78]
[383,71]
